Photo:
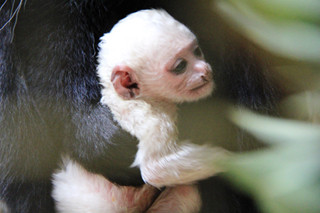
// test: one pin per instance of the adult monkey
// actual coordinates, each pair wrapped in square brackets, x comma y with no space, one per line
[50,94]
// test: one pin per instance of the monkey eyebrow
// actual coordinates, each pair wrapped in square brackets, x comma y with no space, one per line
[189,47]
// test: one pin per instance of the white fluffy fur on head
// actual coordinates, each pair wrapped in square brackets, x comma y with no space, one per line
[136,41]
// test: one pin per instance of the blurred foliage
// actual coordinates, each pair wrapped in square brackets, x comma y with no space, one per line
[289,28]
[285,176]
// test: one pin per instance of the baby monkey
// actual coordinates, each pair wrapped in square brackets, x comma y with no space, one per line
[147,64]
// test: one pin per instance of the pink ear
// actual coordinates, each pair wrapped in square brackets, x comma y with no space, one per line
[124,82]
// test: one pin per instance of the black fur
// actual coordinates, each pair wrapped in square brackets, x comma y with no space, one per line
[49,100]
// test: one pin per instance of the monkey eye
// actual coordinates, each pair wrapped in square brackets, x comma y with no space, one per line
[198,52]
[180,67]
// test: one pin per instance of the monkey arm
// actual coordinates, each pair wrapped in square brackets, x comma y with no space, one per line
[190,162]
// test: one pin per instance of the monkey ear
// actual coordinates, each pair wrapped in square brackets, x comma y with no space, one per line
[125,82]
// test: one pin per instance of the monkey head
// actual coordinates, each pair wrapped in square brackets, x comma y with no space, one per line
[150,55]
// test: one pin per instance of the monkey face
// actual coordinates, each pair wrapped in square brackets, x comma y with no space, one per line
[186,76]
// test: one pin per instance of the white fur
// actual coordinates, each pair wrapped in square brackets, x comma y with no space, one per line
[161,159]
[143,33]
[79,191]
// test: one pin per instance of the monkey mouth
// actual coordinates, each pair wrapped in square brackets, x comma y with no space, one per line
[200,86]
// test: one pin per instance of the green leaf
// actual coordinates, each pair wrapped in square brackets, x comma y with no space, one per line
[293,9]
[275,130]
[286,176]
[285,179]
[291,38]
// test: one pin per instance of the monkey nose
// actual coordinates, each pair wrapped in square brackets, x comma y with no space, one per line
[202,67]
[206,74]
[206,77]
